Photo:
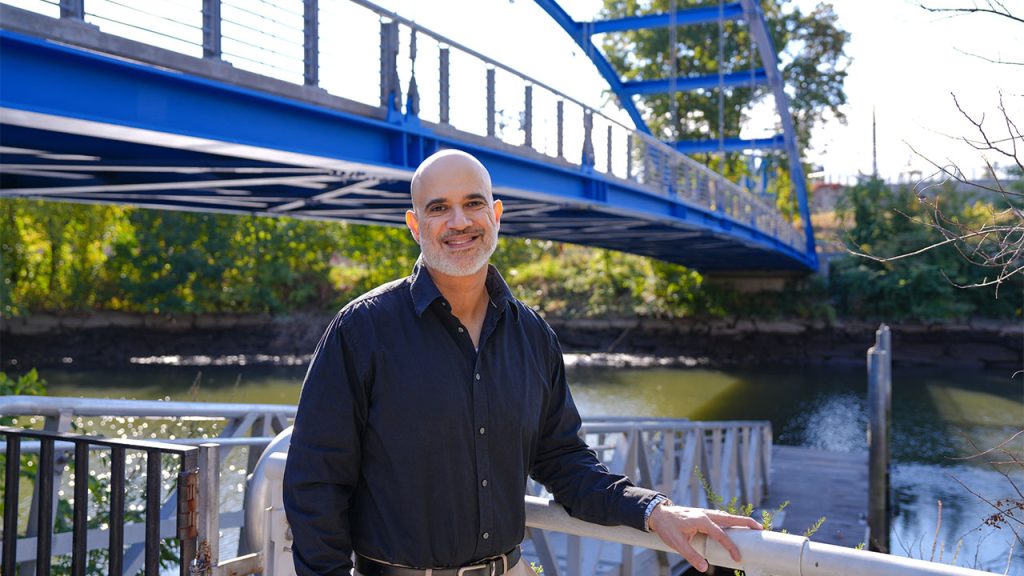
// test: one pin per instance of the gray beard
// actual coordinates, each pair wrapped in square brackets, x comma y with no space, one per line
[435,259]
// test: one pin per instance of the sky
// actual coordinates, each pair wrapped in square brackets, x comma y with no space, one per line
[905,64]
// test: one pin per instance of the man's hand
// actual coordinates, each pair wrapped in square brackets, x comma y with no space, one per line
[677,525]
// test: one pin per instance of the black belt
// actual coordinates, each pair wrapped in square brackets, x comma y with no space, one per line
[494,566]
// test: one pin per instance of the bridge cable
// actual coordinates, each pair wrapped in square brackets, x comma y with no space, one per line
[673,73]
[721,81]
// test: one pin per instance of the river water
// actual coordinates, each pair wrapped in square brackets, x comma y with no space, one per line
[937,415]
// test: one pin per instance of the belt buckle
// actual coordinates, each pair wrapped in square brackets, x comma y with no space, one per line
[491,565]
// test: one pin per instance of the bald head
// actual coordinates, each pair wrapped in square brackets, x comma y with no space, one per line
[449,169]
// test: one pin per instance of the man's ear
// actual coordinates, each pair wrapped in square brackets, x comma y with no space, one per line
[413,224]
[498,209]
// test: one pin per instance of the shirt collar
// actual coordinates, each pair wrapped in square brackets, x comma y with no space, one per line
[424,292]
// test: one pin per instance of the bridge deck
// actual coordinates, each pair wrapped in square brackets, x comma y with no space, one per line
[821,483]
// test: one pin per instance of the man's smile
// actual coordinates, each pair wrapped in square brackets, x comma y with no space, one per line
[460,241]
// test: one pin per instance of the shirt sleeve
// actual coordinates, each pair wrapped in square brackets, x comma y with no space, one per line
[570,470]
[324,456]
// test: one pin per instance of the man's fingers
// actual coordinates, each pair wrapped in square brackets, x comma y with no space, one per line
[713,531]
[682,545]
[729,520]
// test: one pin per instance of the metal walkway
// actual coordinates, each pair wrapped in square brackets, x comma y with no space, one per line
[155,108]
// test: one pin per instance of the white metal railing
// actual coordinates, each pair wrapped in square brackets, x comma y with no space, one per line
[762,553]
[289,42]
[676,457]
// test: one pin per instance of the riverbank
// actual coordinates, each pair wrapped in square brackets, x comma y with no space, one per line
[110,339]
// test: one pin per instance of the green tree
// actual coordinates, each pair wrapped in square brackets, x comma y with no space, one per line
[884,223]
[813,64]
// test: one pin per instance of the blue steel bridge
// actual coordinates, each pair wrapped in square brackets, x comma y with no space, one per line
[231,106]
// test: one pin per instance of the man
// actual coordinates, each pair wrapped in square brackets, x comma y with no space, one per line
[430,400]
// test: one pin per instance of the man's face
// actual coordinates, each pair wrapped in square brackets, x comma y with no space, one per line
[454,220]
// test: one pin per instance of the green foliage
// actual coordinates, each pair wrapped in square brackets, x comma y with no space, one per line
[28,384]
[61,257]
[814,527]
[67,258]
[574,281]
[884,223]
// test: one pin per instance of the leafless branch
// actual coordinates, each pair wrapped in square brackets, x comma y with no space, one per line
[996,8]
[952,172]
[998,509]
[1002,448]
[992,449]
[987,59]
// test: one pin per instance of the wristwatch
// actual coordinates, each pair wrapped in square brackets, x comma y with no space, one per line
[654,503]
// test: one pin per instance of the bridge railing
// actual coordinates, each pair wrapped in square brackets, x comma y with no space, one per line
[423,76]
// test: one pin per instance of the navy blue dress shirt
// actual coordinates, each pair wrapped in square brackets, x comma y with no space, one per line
[411,446]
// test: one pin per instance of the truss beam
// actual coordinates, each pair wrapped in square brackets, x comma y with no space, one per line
[688,83]
[776,142]
[703,15]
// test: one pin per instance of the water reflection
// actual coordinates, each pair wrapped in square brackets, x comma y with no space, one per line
[836,423]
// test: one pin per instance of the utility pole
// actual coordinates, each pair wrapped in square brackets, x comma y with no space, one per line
[874,146]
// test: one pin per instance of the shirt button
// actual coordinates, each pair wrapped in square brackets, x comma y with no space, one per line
[477,375]
[483,430]
[483,483]
[486,535]
[461,330]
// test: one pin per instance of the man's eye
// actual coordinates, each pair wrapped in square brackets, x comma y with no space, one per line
[474,204]
[437,208]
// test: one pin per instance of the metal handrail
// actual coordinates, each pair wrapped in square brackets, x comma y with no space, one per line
[763,553]
[56,406]
[598,427]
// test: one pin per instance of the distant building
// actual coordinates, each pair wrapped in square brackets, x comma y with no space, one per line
[824,196]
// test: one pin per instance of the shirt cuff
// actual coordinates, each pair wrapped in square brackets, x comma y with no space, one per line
[659,499]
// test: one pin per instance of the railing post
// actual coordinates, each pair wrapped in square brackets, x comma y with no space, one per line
[116,544]
[443,113]
[59,423]
[211,29]
[188,501]
[608,167]
[389,83]
[528,116]
[311,42]
[560,114]
[44,534]
[79,525]
[73,9]
[629,156]
[587,158]
[12,479]
[153,485]
[490,101]
[879,399]
[412,101]
[208,529]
